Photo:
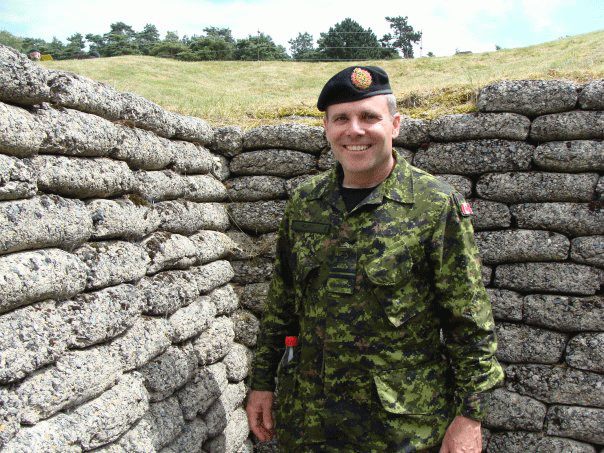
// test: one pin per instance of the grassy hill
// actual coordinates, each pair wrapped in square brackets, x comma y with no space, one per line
[262,92]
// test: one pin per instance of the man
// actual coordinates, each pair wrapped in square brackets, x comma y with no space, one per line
[378,277]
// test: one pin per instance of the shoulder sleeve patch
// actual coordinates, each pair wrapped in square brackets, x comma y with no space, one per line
[463,206]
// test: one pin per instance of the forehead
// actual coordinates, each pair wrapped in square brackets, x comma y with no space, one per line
[373,104]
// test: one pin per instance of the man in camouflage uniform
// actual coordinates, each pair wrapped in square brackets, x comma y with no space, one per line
[378,277]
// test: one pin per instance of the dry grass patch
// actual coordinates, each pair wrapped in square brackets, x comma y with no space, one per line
[253,93]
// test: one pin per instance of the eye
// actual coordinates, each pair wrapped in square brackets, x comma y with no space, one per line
[370,117]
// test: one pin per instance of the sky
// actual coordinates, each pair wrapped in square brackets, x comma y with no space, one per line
[447,25]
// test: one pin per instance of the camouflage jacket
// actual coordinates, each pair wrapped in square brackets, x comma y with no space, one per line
[395,330]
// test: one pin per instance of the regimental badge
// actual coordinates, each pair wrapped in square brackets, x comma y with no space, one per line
[361,78]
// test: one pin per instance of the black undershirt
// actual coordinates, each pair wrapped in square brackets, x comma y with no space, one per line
[352,197]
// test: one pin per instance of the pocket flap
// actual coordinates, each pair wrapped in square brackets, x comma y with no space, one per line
[390,268]
[411,392]
[391,275]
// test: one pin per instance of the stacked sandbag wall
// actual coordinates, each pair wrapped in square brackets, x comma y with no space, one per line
[136,247]
[119,327]
[531,162]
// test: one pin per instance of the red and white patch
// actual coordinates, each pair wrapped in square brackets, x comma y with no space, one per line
[466,209]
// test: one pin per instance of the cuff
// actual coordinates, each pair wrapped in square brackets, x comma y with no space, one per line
[474,406]
[258,382]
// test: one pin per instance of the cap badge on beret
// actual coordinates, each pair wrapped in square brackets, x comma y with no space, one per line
[361,78]
[353,84]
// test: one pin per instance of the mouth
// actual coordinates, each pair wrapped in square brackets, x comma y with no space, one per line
[357,147]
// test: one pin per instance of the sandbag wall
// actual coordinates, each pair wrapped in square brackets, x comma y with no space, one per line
[136,247]
[531,162]
[119,327]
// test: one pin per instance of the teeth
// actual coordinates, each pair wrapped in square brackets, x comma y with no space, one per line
[358,147]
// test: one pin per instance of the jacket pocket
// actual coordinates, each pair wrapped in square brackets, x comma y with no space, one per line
[421,391]
[306,270]
[393,283]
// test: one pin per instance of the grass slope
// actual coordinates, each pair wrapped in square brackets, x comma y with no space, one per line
[252,93]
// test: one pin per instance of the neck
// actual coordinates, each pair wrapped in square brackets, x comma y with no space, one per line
[366,180]
[353,186]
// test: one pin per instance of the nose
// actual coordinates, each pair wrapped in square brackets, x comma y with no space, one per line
[355,127]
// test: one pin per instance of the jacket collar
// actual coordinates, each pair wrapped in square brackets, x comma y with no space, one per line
[398,186]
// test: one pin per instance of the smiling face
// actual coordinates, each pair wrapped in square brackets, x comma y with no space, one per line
[360,134]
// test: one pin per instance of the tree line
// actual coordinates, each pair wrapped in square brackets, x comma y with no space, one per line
[346,40]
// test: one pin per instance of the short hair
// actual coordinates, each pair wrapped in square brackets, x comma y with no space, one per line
[391,101]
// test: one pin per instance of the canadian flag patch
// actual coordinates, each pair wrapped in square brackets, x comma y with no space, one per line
[466,209]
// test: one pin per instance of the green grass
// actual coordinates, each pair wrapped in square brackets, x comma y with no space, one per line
[252,93]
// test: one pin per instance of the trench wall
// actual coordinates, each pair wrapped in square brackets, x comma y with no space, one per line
[119,328]
[531,162]
[136,247]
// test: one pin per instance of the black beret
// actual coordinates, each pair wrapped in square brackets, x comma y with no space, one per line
[352,84]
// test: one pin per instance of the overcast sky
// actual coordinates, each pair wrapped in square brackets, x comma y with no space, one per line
[447,25]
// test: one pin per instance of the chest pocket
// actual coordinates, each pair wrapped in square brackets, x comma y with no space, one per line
[393,282]
[308,238]
[307,241]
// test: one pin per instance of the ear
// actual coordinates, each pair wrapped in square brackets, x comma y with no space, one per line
[396,125]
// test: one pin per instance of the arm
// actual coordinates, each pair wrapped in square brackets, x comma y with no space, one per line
[466,315]
[278,318]
[276,322]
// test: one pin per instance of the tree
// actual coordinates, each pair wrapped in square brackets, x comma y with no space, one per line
[30,44]
[224,33]
[56,48]
[96,44]
[75,48]
[120,40]
[147,39]
[120,28]
[259,47]
[217,44]
[404,35]
[211,47]
[118,45]
[302,47]
[350,41]
[170,47]
[8,39]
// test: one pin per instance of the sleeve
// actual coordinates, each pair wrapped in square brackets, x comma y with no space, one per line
[278,318]
[467,319]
